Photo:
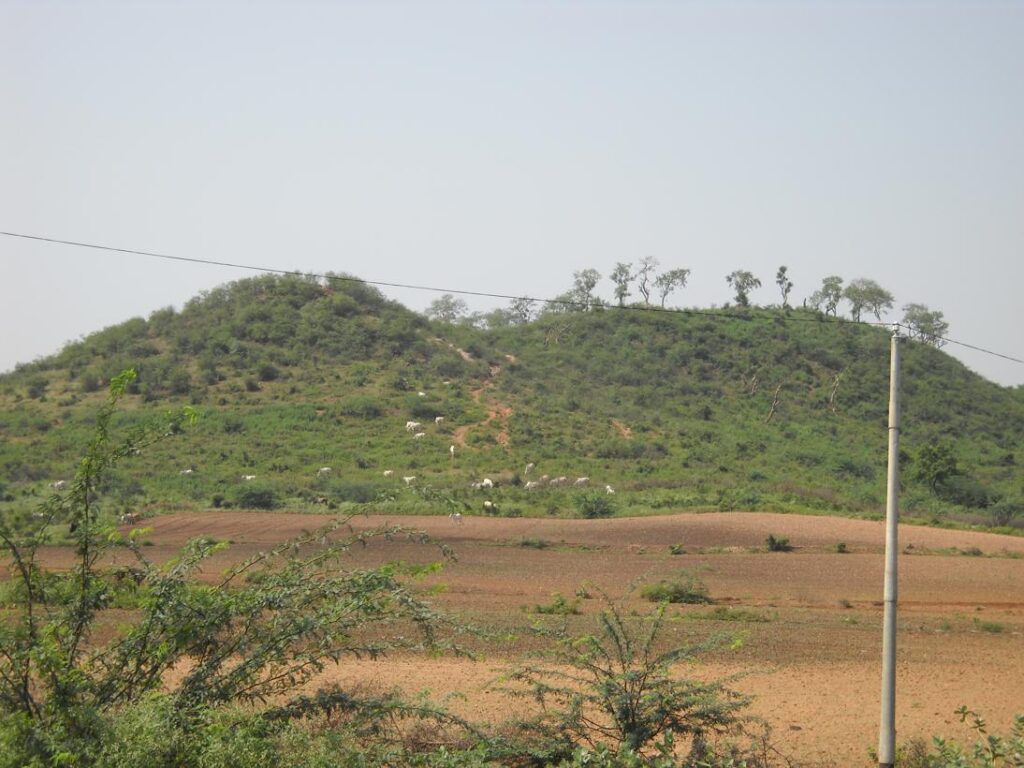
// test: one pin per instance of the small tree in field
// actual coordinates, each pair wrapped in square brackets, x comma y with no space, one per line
[617,689]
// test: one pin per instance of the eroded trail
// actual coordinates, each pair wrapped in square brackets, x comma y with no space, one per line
[495,411]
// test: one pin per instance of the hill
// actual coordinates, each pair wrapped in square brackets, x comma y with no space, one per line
[740,408]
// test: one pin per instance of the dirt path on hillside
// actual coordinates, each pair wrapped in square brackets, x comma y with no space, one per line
[622,429]
[495,412]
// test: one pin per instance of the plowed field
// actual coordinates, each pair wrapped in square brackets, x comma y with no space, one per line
[812,663]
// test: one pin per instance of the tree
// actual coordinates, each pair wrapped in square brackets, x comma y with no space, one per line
[785,285]
[615,688]
[867,294]
[829,294]
[522,310]
[743,283]
[670,281]
[935,465]
[447,309]
[644,277]
[582,293]
[924,324]
[622,275]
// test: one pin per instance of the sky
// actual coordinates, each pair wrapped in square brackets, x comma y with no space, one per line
[502,146]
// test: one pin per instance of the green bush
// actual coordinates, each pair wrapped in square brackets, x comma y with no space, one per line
[686,589]
[256,497]
[777,544]
[594,505]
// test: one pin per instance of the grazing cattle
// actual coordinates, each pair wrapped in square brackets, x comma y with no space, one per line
[438,419]
[58,485]
[451,450]
[609,489]
[491,508]
[543,479]
[186,472]
[456,517]
[530,485]
[487,483]
[560,480]
[529,466]
[409,478]
[421,394]
[248,477]
[412,426]
[130,518]
[323,471]
[388,472]
[581,482]
[418,435]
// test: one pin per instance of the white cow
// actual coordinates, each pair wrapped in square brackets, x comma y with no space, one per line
[388,472]
[409,478]
[130,518]
[421,394]
[418,435]
[186,472]
[581,482]
[529,466]
[248,477]
[451,450]
[323,471]
[58,485]
[456,517]
[412,426]
[487,483]
[608,489]
[530,485]
[438,419]
[560,480]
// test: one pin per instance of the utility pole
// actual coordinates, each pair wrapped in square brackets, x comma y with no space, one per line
[887,728]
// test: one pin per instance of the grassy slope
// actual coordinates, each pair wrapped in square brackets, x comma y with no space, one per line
[669,408]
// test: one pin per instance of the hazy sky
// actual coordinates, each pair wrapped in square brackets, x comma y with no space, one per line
[501,146]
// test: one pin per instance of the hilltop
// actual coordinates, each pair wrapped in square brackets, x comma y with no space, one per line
[740,408]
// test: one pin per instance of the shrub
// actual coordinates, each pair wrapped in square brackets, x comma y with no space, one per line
[779,544]
[362,407]
[558,606]
[614,690]
[686,589]
[841,548]
[1006,511]
[254,497]
[594,505]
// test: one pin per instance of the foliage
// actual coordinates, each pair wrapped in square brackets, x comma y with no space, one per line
[785,284]
[622,275]
[925,324]
[742,282]
[777,543]
[667,282]
[447,309]
[864,294]
[1005,511]
[594,505]
[829,295]
[990,751]
[257,634]
[558,606]
[687,588]
[617,688]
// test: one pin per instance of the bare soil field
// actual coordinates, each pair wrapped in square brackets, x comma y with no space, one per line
[812,661]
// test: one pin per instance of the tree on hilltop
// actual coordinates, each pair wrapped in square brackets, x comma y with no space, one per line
[829,295]
[447,309]
[785,284]
[622,275]
[867,294]
[645,276]
[924,324]
[743,282]
[669,281]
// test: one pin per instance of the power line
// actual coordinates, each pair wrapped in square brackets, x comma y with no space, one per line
[465,292]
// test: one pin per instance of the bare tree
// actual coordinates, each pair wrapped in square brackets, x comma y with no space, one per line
[645,276]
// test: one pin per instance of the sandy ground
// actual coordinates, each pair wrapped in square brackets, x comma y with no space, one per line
[813,666]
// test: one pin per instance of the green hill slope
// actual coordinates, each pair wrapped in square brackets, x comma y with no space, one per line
[739,409]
